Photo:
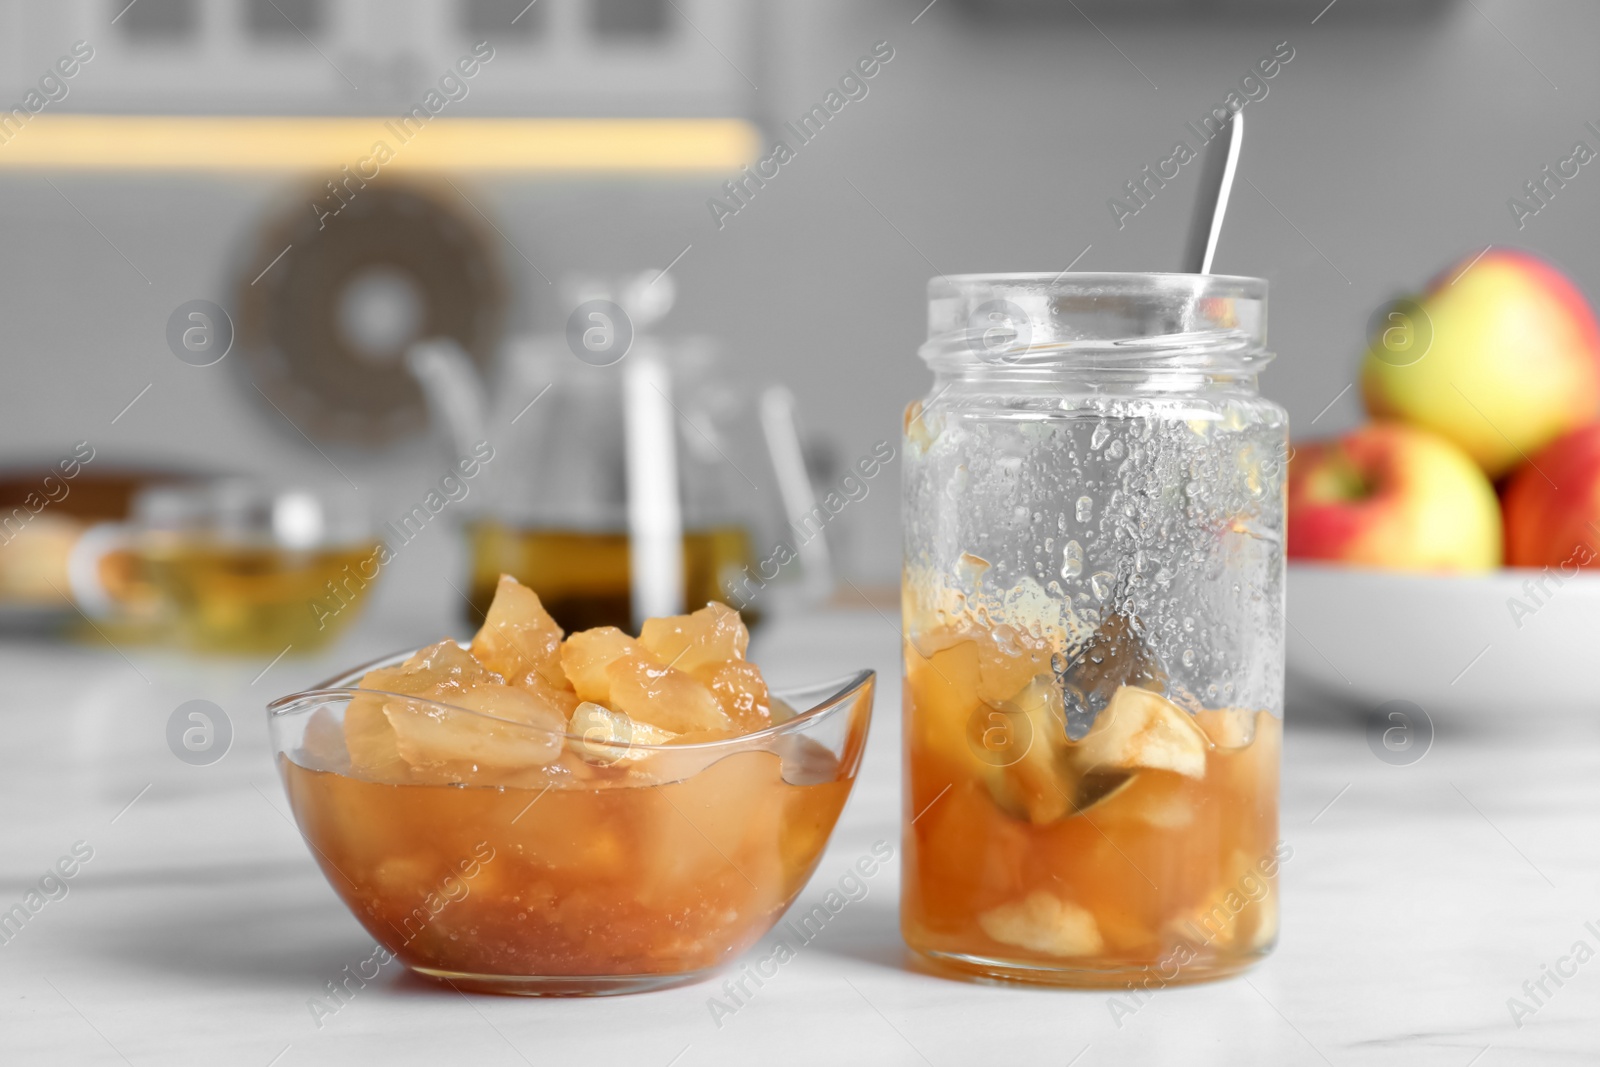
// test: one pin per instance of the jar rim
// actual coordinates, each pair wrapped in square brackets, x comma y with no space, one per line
[1100,277]
[1085,320]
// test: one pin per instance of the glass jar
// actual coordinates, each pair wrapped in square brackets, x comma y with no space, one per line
[1093,609]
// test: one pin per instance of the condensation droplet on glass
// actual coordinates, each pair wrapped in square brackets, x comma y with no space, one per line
[1085,508]
[1098,438]
[1071,560]
[1019,515]
[1100,584]
[1116,450]
[1188,657]
[1188,624]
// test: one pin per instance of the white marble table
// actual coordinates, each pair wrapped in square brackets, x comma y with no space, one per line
[1417,901]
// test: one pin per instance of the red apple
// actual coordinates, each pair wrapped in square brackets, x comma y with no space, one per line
[1395,497]
[1501,356]
[1552,505]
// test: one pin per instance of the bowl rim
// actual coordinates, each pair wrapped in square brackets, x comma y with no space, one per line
[841,693]
[1438,579]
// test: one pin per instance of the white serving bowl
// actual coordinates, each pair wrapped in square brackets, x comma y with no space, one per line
[1506,644]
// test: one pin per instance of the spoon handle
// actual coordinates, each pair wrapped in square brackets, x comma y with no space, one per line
[1216,181]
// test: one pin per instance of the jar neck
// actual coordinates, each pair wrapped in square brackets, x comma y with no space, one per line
[977,381]
[1161,333]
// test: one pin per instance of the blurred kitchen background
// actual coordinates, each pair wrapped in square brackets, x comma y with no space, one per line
[992,140]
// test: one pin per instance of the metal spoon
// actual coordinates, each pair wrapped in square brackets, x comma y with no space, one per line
[1216,181]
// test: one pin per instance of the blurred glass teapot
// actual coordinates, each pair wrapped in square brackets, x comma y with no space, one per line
[631,477]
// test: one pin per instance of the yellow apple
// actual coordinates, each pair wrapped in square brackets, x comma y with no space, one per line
[1392,496]
[1501,358]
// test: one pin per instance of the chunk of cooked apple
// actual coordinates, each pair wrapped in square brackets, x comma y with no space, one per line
[521,642]
[1140,729]
[606,736]
[512,729]
[651,692]
[1042,922]
[1021,744]
[705,639]
[586,655]
[740,689]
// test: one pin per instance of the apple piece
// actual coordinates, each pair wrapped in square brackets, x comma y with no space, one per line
[1242,907]
[714,634]
[511,730]
[945,681]
[1044,923]
[1513,361]
[561,698]
[519,640]
[1162,801]
[663,696]
[586,655]
[437,672]
[322,747]
[740,689]
[1394,497]
[1552,505]
[918,436]
[1142,729]
[607,736]
[1227,727]
[370,740]
[805,761]
[514,704]
[1020,745]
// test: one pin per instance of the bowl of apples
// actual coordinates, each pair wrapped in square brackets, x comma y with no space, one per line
[550,814]
[1447,554]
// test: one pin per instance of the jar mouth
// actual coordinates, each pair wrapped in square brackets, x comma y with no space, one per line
[1107,320]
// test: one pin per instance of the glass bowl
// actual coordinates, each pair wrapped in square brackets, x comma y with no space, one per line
[508,859]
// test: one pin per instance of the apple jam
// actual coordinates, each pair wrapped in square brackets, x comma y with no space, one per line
[1149,844]
[542,812]
[1094,636]
[575,877]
